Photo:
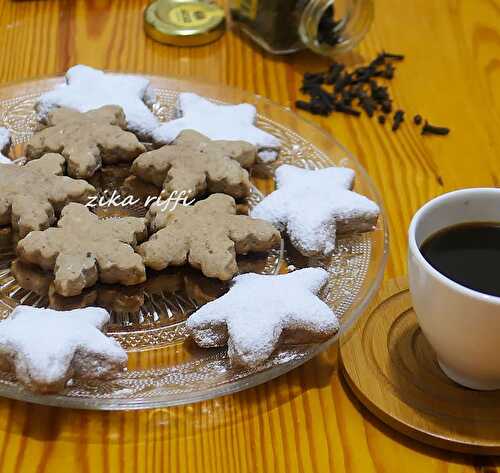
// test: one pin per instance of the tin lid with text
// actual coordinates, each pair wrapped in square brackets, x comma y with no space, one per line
[184,22]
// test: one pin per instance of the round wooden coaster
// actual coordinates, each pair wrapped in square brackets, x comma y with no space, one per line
[392,369]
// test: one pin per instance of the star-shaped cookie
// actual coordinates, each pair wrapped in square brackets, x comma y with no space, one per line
[259,312]
[4,145]
[31,195]
[83,249]
[46,348]
[217,122]
[207,235]
[86,140]
[195,164]
[87,89]
[315,206]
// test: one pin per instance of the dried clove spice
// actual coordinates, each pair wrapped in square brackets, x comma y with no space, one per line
[360,85]
[399,118]
[362,89]
[327,28]
[340,107]
[395,57]
[429,129]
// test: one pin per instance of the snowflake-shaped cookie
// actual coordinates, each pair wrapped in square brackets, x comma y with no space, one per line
[87,89]
[32,195]
[86,140]
[315,206]
[83,249]
[217,122]
[4,145]
[261,311]
[207,235]
[195,164]
[46,348]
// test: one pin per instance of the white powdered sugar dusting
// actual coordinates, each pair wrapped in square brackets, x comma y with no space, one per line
[217,122]
[252,317]
[312,206]
[42,344]
[267,155]
[88,89]
[4,145]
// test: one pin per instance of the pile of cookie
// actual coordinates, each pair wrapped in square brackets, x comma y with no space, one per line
[96,120]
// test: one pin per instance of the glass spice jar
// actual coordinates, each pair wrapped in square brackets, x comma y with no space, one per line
[327,27]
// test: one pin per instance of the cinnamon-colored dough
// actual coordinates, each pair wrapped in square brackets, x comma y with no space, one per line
[196,164]
[31,195]
[83,249]
[86,140]
[207,235]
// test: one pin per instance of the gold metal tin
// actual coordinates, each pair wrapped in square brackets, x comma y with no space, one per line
[184,22]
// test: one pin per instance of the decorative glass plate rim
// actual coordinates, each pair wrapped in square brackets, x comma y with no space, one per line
[211,91]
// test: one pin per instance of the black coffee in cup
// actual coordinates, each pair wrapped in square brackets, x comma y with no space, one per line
[468,254]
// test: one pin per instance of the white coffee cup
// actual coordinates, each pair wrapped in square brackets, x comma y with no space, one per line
[462,325]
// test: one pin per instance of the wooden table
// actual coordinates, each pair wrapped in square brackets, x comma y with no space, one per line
[305,421]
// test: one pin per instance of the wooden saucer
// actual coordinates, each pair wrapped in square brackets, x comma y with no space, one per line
[392,369]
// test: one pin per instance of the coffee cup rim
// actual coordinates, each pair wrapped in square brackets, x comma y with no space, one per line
[415,250]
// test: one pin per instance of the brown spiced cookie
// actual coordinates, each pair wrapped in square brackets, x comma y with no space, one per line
[113,298]
[87,88]
[218,122]
[120,299]
[195,164]
[31,195]
[207,235]
[260,312]
[83,249]
[45,348]
[31,277]
[86,140]
[314,206]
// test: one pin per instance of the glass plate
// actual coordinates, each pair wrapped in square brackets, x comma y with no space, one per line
[164,368]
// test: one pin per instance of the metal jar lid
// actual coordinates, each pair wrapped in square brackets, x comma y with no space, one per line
[184,22]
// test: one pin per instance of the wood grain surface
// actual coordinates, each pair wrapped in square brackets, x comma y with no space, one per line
[305,421]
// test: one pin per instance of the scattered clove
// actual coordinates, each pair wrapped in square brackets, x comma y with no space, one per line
[399,118]
[429,129]
[362,89]
[359,84]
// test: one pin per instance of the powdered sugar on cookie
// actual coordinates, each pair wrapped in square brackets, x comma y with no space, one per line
[217,122]
[46,348]
[4,145]
[261,311]
[87,89]
[314,206]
